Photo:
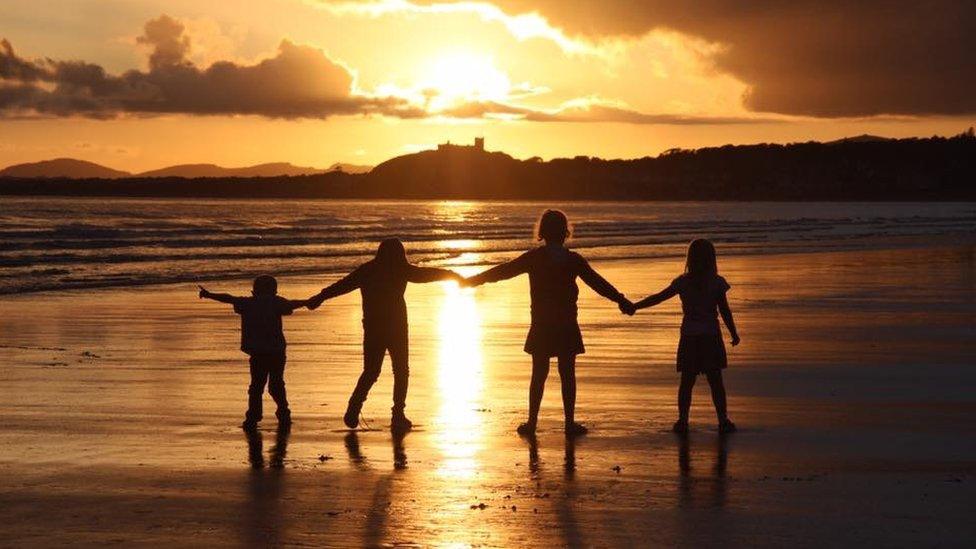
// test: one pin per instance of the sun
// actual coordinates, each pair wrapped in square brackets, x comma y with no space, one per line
[461,76]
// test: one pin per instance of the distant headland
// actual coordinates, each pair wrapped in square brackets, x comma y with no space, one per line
[858,168]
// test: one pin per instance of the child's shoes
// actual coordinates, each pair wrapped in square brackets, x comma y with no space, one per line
[399,423]
[576,429]
[284,418]
[351,419]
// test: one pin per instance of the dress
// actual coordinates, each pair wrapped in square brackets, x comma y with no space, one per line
[552,271]
[700,349]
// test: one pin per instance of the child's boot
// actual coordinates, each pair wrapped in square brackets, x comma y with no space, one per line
[726,426]
[351,419]
[284,417]
[399,422]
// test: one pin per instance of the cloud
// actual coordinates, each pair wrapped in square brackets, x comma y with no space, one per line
[822,58]
[588,109]
[523,26]
[298,82]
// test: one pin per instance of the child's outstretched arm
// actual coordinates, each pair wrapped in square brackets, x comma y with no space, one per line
[726,312]
[292,304]
[511,269]
[601,286]
[223,298]
[659,297]
[348,283]
[422,275]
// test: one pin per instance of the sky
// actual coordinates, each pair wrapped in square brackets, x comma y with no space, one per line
[141,84]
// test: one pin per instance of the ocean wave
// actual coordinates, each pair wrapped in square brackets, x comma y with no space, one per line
[131,242]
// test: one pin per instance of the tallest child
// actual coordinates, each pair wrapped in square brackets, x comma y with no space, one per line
[554,331]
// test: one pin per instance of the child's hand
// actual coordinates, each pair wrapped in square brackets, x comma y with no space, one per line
[203,292]
[314,302]
[735,340]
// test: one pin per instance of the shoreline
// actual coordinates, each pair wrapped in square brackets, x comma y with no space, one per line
[730,250]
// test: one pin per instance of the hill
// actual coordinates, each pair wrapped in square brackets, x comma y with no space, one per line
[273,169]
[863,138]
[70,168]
[63,168]
[921,169]
[449,172]
[349,168]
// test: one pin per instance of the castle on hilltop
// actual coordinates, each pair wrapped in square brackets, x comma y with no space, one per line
[479,145]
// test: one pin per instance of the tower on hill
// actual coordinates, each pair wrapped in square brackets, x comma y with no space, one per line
[479,145]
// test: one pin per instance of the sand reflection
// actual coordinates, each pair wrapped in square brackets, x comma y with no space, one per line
[460,384]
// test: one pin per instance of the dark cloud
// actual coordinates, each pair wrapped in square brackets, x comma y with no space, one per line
[299,81]
[827,58]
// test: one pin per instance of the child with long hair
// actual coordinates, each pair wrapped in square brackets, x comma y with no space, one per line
[554,331]
[700,349]
[382,281]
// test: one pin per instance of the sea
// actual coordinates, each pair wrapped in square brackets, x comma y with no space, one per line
[49,244]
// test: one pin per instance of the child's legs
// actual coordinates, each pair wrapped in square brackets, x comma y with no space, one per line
[567,378]
[374,350]
[540,371]
[684,394]
[718,394]
[259,376]
[400,357]
[276,384]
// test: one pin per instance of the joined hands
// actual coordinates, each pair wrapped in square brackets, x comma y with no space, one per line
[315,301]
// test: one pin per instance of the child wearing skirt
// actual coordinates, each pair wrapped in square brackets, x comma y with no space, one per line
[700,349]
[554,330]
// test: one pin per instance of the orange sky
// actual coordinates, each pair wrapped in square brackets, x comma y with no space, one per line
[141,84]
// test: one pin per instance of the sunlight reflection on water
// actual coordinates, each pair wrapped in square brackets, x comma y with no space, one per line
[460,378]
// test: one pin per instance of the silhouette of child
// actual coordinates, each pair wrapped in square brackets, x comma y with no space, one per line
[263,339]
[554,331]
[382,281]
[700,349]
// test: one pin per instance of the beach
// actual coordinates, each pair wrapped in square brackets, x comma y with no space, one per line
[852,388]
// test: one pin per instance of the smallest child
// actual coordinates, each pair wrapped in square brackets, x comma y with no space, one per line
[264,341]
[700,349]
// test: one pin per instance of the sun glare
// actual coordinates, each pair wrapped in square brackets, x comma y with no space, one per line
[464,76]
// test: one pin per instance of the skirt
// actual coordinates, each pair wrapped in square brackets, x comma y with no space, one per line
[700,354]
[554,339]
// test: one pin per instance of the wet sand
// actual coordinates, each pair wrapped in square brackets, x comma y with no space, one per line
[853,389]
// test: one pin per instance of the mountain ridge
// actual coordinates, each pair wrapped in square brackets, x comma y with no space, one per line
[73,168]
